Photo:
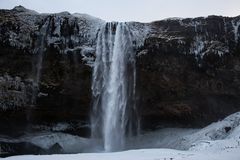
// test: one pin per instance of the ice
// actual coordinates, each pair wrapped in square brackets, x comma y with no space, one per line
[198,46]
[201,47]
[236,25]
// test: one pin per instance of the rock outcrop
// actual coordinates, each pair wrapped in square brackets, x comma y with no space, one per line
[188,70]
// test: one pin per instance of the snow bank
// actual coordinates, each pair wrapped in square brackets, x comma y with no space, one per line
[218,141]
[69,143]
[150,154]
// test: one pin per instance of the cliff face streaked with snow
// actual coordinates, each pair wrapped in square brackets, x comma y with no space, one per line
[65,32]
[188,70]
[21,28]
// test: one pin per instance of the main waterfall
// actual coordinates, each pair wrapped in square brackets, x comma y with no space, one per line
[114,115]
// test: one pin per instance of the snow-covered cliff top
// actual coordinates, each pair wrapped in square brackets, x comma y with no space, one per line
[21,27]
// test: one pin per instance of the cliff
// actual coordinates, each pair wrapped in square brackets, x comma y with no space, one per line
[188,71]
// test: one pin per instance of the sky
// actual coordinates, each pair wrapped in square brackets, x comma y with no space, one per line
[132,10]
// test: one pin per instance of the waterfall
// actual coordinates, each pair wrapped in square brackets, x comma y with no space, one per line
[39,51]
[40,60]
[113,115]
[38,67]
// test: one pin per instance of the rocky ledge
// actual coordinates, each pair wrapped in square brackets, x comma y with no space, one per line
[188,70]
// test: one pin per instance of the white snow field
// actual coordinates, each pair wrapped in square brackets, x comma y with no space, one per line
[218,141]
[144,154]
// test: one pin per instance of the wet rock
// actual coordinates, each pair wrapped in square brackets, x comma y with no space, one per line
[55,149]
[21,148]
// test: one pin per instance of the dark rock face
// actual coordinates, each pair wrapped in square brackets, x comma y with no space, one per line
[189,74]
[63,93]
[22,148]
[27,148]
[188,71]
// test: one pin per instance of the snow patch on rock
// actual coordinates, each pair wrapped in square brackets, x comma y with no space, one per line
[236,25]
[223,131]
[139,31]
[201,47]
[14,92]
[197,46]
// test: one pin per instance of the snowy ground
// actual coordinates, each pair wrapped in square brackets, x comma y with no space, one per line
[144,154]
[218,141]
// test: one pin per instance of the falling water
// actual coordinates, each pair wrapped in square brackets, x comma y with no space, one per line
[40,60]
[38,67]
[39,50]
[113,87]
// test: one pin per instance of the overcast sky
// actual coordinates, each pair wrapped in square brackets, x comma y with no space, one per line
[132,10]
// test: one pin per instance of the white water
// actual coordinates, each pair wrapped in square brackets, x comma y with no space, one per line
[113,87]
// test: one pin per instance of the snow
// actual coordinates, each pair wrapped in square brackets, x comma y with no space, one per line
[173,19]
[144,154]
[218,141]
[86,53]
[86,28]
[193,23]
[143,52]
[69,143]
[30,23]
[198,46]
[88,17]
[57,31]
[227,130]
[22,9]
[93,23]
[201,47]
[216,137]
[235,133]
[54,127]
[235,30]
[169,38]
[139,32]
